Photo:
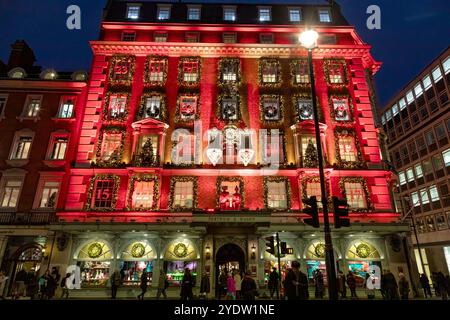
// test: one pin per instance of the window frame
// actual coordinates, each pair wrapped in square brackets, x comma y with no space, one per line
[319,15]
[194,7]
[28,99]
[52,141]
[133,5]
[260,16]
[267,195]
[161,8]
[229,9]
[62,103]
[11,175]
[299,11]
[47,178]
[15,143]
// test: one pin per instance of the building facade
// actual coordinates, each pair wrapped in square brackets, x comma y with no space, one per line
[197,142]
[417,127]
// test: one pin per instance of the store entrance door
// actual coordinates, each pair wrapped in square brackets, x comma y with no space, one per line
[229,258]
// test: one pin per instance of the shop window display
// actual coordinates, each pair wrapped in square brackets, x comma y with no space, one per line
[94,262]
[136,258]
[175,271]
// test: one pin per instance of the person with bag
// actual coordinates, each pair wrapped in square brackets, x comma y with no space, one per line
[163,284]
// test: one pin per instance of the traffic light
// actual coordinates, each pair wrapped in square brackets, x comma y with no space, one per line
[283,247]
[270,245]
[341,218]
[312,211]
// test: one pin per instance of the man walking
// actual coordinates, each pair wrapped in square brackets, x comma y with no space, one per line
[273,283]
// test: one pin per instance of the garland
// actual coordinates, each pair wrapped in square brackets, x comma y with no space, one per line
[349,104]
[106,112]
[110,163]
[231,94]
[230,179]
[116,179]
[342,164]
[163,106]
[145,178]
[235,63]
[305,96]
[294,65]
[173,182]
[342,182]
[280,110]
[158,59]
[95,250]
[178,118]
[262,63]
[116,62]
[137,250]
[328,64]
[287,188]
[181,81]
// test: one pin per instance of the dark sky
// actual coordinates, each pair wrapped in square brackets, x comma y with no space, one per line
[413,33]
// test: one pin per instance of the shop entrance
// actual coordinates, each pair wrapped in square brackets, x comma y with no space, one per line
[229,257]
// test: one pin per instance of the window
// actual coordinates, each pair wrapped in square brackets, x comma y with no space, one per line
[402,178]
[157,70]
[308,146]
[276,194]
[190,70]
[355,195]
[324,15]
[266,38]
[229,69]
[415,199]
[133,11]
[160,36]
[383,119]
[11,193]
[192,37]
[313,190]
[188,108]
[117,106]
[163,12]
[301,72]
[437,74]
[410,174]
[424,196]
[147,151]
[410,97]
[272,147]
[270,71]
[66,108]
[128,36]
[440,132]
[446,156]
[194,13]
[121,69]
[143,194]
[265,14]
[230,108]
[103,195]
[32,107]
[111,146]
[3,99]
[437,162]
[418,90]
[183,194]
[446,65]
[426,81]
[229,13]
[49,195]
[402,103]
[427,167]
[388,115]
[58,147]
[434,194]
[429,136]
[22,147]
[271,109]
[341,109]
[229,37]
[336,72]
[394,110]
[347,148]
[183,151]
[152,107]
[418,170]
[295,14]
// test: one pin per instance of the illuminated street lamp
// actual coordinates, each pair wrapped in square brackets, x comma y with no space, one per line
[308,40]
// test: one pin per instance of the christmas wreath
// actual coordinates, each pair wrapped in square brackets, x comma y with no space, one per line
[363,250]
[95,250]
[270,111]
[137,250]
[229,111]
[319,250]
[180,250]
[153,112]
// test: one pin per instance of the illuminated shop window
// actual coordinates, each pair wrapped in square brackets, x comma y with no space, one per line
[431,223]
[133,11]
[301,72]
[10,193]
[157,70]
[341,109]
[111,146]
[347,148]
[277,194]
[308,152]
[49,194]
[313,190]
[183,194]
[117,106]
[271,108]
[230,194]
[362,250]
[66,108]
[355,194]
[147,154]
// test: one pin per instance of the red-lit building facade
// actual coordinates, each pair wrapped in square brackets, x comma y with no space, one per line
[174,90]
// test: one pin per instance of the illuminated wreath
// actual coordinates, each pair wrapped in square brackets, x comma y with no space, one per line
[229,111]
[319,250]
[153,112]
[95,250]
[137,250]
[363,250]
[180,250]
[341,112]
[271,111]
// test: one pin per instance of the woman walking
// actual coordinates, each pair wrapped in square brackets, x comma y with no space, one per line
[231,287]
[144,285]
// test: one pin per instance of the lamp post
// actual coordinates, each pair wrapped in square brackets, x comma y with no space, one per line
[308,39]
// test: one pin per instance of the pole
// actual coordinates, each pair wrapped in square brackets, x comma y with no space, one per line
[329,254]
[279,267]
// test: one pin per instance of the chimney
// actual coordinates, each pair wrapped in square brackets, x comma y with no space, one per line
[21,56]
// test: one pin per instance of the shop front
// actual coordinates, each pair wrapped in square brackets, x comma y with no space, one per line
[94,259]
[179,255]
[315,259]
[271,261]
[362,257]
[135,258]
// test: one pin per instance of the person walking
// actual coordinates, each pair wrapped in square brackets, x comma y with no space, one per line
[370,286]
[221,288]
[342,289]
[237,281]
[351,282]
[163,284]
[425,283]
[296,283]
[42,282]
[144,285]
[273,283]
[51,286]
[205,287]
[435,285]
[248,287]
[186,285]
[19,287]
[403,286]
[32,285]
[390,286]
[441,285]
[319,284]
[66,285]
[115,280]
[231,287]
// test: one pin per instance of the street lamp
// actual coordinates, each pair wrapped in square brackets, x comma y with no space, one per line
[308,40]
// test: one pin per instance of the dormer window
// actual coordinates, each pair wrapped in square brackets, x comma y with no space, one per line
[265,14]
[48,75]
[295,14]
[133,11]
[194,13]
[324,15]
[229,13]
[164,12]
[17,73]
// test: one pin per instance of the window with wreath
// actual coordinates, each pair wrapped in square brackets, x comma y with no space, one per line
[304,108]
[183,193]
[276,192]
[341,109]
[271,108]
[121,70]
[111,146]
[355,193]
[189,73]
[156,71]
[230,193]
[116,106]
[335,71]
[229,107]
[153,106]
[270,71]
[188,108]
[300,71]
[104,192]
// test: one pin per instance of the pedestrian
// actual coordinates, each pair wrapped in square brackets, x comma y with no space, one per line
[205,287]
[222,287]
[351,282]
[51,286]
[318,284]
[19,288]
[163,284]
[390,286]
[435,285]
[441,285]
[186,285]
[296,283]
[425,283]
[42,282]
[144,285]
[3,279]
[115,281]
[32,285]
[237,281]
[370,286]
[231,287]
[342,289]
[447,283]
[403,286]
[66,284]
[248,287]
[273,283]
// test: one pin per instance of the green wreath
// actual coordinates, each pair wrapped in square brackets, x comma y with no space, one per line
[180,250]
[229,111]
[137,250]
[95,250]
[363,250]
[319,250]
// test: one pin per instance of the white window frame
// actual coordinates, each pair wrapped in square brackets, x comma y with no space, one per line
[11,175]
[415,201]
[446,65]
[28,100]
[133,5]
[229,10]
[62,104]
[53,137]
[50,178]
[424,198]
[194,7]
[410,174]
[15,143]
[418,171]
[402,178]
[418,91]
[410,97]
[402,104]
[426,81]
[322,10]
[437,74]
[161,8]
[446,156]
[262,18]
[3,102]
[299,11]
[434,194]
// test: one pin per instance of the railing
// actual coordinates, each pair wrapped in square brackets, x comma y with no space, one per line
[29,218]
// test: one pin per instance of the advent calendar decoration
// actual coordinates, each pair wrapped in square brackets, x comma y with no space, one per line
[271,109]
[341,109]
[153,105]
[305,109]
[102,194]
[116,107]
[156,69]
[121,70]
[187,109]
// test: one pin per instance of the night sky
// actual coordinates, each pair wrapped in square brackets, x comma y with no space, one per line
[413,33]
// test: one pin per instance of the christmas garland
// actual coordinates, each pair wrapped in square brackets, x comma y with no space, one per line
[159,59]
[280,111]
[95,250]
[173,182]
[230,179]
[294,64]
[163,106]
[119,59]
[333,112]
[180,250]
[236,64]
[137,250]
[305,96]
[341,164]
[363,251]
[327,64]
[116,179]
[287,188]
[110,163]
[181,81]
[231,94]
[178,118]
[262,63]
[106,112]
[363,182]
[145,178]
